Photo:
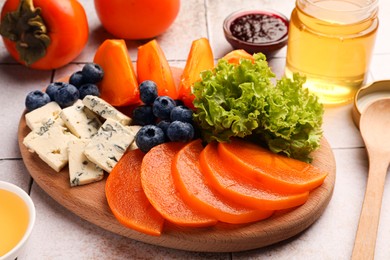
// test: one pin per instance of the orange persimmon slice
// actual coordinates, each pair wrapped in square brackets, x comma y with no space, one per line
[119,86]
[275,171]
[241,190]
[153,65]
[235,56]
[159,187]
[199,59]
[197,193]
[126,198]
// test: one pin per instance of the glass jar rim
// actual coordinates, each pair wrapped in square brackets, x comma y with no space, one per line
[371,6]
[348,16]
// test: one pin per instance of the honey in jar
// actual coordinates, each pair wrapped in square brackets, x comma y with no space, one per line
[331,42]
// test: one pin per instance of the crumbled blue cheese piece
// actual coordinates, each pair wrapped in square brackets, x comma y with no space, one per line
[46,115]
[105,110]
[81,170]
[51,145]
[107,147]
[80,121]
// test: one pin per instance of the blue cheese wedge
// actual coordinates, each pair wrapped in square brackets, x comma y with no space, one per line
[107,147]
[46,115]
[81,170]
[51,145]
[105,110]
[80,120]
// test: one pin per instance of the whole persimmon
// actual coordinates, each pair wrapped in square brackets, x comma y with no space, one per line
[137,19]
[44,34]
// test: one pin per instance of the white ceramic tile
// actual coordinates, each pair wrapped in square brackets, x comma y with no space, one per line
[14,171]
[380,68]
[15,83]
[382,44]
[277,66]
[339,128]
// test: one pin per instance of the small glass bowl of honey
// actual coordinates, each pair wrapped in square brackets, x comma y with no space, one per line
[17,218]
[254,31]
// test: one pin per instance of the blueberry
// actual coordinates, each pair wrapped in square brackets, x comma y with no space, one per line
[181,113]
[148,137]
[76,79]
[162,107]
[36,99]
[164,124]
[92,73]
[66,95]
[143,115]
[148,92]
[88,89]
[53,88]
[180,131]
[179,102]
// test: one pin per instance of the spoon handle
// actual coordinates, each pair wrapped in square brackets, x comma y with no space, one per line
[366,234]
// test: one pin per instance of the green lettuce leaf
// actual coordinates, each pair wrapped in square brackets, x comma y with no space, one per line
[242,100]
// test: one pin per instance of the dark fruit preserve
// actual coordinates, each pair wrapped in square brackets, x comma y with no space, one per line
[259,28]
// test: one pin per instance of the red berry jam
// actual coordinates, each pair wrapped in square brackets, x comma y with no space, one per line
[259,28]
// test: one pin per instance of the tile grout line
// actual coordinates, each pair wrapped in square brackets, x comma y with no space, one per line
[11,159]
[30,184]
[206,19]
[53,72]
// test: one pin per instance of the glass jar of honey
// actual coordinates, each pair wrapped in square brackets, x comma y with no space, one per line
[331,42]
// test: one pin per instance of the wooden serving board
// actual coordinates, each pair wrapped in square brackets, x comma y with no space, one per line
[89,202]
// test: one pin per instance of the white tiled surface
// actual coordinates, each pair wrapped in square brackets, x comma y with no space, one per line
[59,234]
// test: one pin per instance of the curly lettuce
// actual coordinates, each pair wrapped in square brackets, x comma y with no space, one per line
[242,100]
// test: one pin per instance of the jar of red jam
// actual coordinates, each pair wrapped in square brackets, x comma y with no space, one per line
[255,31]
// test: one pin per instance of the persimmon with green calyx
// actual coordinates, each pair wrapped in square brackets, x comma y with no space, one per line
[119,86]
[126,198]
[199,194]
[159,187]
[153,65]
[137,19]
[44,34]
[199,59]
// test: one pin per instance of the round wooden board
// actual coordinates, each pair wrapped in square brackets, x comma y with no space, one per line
[89,202]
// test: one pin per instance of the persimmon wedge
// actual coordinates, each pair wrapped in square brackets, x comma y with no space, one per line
[159,187]
[277,172]
[199,59]
[126,198]
[235,56]
[197,193]
[119,86]
[153,65]
[241,190]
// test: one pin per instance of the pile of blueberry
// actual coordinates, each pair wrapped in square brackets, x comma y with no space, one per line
[81,83]
[162,119]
